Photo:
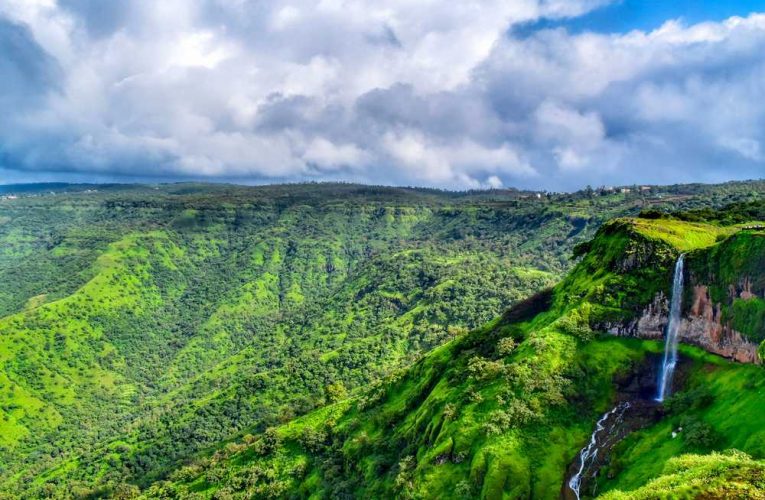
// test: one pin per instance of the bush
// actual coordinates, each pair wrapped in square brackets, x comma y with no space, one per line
[505,346]
[268,442]
[450,411]
[313,440]
[698,434]
[463,490]
[576,323]
[482,368]
[694,399]
[336,392]
[652,214]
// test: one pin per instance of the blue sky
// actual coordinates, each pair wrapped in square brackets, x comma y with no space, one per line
[547,94]
[626,15]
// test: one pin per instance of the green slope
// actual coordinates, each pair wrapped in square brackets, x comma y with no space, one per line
[57,357]
[729,475]
[144,325]
[503,410]
[720,408]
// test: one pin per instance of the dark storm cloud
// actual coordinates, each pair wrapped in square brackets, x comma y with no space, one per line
[27,71]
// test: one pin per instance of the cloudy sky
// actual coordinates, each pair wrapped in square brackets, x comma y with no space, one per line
[552,94]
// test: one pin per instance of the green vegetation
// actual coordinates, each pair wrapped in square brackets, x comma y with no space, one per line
[729,475]
[719,409]
[625,266]
[681,235]
[143,328]
[732,271]
[464,421]
[451,440]
[502,411]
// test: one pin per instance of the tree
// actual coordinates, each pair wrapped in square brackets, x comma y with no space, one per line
[336,392]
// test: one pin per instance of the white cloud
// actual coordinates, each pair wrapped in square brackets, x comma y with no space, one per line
[329,156]
[453,164]
[395,91]
[559,123]
[750,149]
[494,182]
[199,49]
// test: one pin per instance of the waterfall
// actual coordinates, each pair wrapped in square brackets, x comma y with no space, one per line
[670,345]
[590,452]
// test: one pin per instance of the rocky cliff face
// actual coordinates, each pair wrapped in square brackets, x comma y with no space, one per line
[701,325]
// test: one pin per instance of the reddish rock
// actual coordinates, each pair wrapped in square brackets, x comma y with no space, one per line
[702,327]
[746,292]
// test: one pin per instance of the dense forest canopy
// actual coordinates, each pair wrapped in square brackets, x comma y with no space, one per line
[141,325]
[502,411]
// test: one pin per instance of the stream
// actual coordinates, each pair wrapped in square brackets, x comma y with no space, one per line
[626,416]
[589,453]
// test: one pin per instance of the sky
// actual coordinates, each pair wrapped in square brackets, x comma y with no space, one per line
[538,94]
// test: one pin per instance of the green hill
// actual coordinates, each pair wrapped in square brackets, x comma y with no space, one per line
[504,410]
[143,326]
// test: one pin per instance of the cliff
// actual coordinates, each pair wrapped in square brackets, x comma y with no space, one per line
[723,306]
[701,326]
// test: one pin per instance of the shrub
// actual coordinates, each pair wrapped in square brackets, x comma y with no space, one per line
[697,398]
[463,490]
[698,434]
[336,392]
[576,323]
[505,346]
[450,411]
[482,368]
[268,442]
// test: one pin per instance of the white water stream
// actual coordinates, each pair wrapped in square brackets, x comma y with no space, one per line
[609,421]
[589,453]
[670,345]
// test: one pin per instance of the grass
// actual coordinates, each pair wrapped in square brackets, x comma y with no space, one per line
[735,416]
[465,421]
[717,475]
[684,236]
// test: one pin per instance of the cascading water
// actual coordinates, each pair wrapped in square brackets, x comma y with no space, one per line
[607,429]
[589,453]
[670,344]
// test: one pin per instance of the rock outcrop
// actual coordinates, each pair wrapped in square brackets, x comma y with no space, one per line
[701,326]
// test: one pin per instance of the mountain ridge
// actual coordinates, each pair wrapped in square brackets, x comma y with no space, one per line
[497,400]
[314,297]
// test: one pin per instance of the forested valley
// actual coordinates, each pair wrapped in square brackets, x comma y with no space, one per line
[144,327]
